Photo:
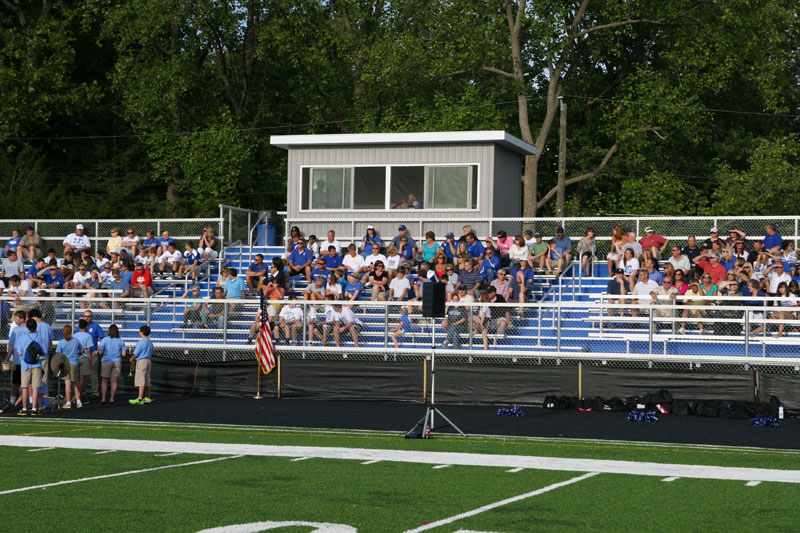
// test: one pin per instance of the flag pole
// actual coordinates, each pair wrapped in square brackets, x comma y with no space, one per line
[279,376]
[258,382]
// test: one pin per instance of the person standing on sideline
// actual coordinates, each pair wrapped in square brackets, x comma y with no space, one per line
[111,350]
[142,354]
[71,347]
[96,332]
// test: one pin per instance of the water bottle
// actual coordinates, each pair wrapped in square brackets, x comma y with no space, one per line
[780,412]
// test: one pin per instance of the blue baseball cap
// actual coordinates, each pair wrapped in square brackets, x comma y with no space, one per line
[450,235]
[402,227]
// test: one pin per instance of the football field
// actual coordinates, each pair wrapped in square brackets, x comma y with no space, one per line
[104,475]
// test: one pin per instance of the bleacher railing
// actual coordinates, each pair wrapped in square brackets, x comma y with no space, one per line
[676,229]
[511,333]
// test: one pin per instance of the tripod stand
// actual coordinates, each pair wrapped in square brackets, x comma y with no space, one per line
[426,424]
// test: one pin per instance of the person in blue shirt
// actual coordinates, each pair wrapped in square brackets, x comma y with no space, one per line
[12,243]
[96,332]
[111,351]
[142,356]
[450,246]
[352,291]
[522,284]
[257,270]
[235,288]
[33,271]
[489,266]
[300,260]
[163,242]
[772,240]
[71,347]
[320,270]
[19,318]
[45,337]
[191,260]
[369,239]
[565,244]
[86,354]
[32,373]
[52,278]
[150,241]
[474,248]
[333,260]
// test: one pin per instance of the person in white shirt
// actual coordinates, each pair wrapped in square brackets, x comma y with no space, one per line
[171,260]
[290,320]
[374,257]
[142,258]
[101,260]
[79,280]
[130,242]
[332,242]
[644,287]
[331,321]
[22,292]
[680,261]
[775,275]
[348,323]
[77,242]
[353,262]
[399,286]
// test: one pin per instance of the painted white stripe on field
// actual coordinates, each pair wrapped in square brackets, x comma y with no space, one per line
[753,483]
[104,451]
[372,462]
[437,467]
[41,449]
[118,474]
[168,454]
[507,501]
[668,479]
[301,458]
[515,470]
[661,470]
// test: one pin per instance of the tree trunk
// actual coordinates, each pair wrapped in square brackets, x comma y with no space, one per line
[562,160]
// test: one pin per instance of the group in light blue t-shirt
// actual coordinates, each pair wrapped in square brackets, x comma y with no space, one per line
[143,349]
[112,348]
[71,348]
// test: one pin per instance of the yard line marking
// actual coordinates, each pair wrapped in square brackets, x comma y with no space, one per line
[437,467]
[668,479]
[118,474]
[104,451]
[41,449]
[301,458]
[514,470]
[660,470]
[371,462]
[168,454]
[495,505]
[752,483]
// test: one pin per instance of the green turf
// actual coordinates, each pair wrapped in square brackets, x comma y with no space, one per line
[383,496]
[624,451]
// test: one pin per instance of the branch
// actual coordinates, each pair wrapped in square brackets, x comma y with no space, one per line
[498,71]
[582,177]
[614,25]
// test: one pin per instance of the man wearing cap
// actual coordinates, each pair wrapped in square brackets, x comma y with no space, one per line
[616,287]
[52,278]
[450,246]
[653,245]
[565,243]
[539,252]
[29,247]
[772,240]
[774,275]
[403,232]
[77,242]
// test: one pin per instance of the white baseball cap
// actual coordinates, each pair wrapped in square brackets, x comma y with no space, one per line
[79,226]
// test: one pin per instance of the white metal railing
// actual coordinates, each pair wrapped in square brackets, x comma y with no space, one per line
[591,330]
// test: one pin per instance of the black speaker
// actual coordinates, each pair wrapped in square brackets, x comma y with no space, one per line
[433,295]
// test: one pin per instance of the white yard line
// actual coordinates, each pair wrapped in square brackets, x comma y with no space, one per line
[668,479]
[507,501]
[168,454]
[753,483]
[301,459]
[661,470]
[437,467]
[104,451]
[515,470]
[372,462]
[41,449]
[118,474]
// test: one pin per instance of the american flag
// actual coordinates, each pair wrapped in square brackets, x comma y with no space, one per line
[265,350]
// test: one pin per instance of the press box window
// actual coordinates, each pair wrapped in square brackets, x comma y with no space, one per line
[344,188]
[436,187]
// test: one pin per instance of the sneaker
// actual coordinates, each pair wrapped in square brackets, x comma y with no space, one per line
[79,404]
[22,412]
[682,331]
[67,405]
[35,412]
[146,400]
[135,401]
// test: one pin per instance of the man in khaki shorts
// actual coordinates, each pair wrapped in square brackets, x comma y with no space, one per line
[142,354]
[71,348]
[32,373]
[86,355]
